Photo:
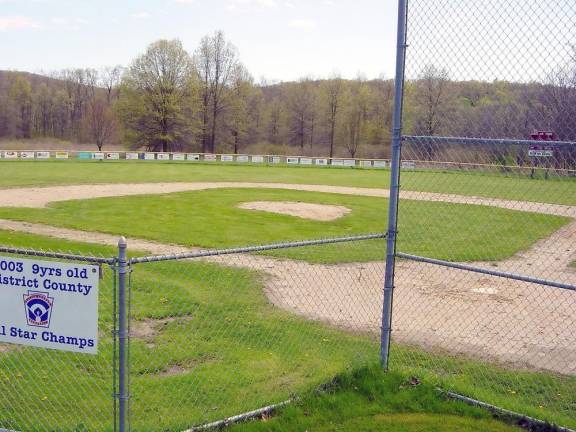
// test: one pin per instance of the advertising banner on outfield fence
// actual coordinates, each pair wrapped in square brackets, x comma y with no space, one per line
[11,155]
[61,155]
[163,156]
[48,304]
[178,156]
[227,158]
[257,159]
[43,155]
[27,155]
[132,156]
[242,158]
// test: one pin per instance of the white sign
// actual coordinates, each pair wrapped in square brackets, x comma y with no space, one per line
[257,159]
[337,162]
[131,156]
[11,155]
[292,160]
[98,156]
[112,156]
[61,155]
[43,155]
[48,304]
[322,162]
[540,153]
[275,159]
[193,157]
[242,158]
[163,156]
[379,164]
[349,162]
[305,161]
[227,158]
[149,156]
[408,165]
[27,155]
[210,157]
[366,164]
[178,156]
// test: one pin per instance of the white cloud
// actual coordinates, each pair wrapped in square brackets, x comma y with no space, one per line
[185,1]
[17,23]
[141,15]
[305,24]
[329,3]
[245,5]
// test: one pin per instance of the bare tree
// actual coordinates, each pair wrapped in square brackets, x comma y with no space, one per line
[110,79]
[216,60]
[300,104]
[332,91]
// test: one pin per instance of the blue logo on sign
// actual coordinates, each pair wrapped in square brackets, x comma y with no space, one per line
[38,308]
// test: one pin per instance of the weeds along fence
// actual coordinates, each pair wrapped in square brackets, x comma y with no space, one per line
[189,339]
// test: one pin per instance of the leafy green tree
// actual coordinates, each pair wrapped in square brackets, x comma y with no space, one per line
[159,98]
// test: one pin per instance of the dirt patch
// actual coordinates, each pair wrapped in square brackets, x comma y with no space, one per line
[319,212]
[148,329]
[4,348]
[173,370]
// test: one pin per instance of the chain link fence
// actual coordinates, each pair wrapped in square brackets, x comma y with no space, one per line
[485,135]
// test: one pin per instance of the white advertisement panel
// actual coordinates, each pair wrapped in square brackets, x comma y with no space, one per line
[210,157]
[163,156]
[408,165]
[257,159]
[349,162]
[11,155]
[61,155]
[132,156]
[178,156]
[149,156]
[112,156]
[98,156]
[275,159]
[48,304]
[27,155]
[305,161]
[379,164]
[43,155]
[193,157]
[321,162]
[292,160]
[242,158]
[227,158]
[366,164]
[337,162]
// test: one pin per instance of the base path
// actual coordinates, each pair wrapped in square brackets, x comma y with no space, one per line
[435,307]
[38,197]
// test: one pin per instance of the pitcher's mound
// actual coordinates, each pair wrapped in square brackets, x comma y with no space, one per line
[319,212]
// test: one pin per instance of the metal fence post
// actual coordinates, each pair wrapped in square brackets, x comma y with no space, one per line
[123,391]
[386,328]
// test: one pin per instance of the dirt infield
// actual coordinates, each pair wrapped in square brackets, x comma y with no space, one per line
[435,307]
[319,212]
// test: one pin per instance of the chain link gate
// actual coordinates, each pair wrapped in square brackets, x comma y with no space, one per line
[483,304]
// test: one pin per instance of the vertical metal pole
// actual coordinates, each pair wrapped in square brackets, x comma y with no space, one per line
[122,336]
[386,328]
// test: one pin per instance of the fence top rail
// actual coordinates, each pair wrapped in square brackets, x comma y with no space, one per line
[485,271]
[71,257]
[469,140]
[232,251]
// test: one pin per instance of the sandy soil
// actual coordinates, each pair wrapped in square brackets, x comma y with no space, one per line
[319,212]
[435,307]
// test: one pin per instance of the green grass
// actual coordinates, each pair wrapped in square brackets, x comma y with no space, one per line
[370,400]
[219,348]
[499,185]
[211,219]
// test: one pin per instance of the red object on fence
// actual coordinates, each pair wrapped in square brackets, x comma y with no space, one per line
[543,136]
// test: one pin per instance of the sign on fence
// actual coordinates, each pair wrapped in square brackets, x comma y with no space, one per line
[48,304]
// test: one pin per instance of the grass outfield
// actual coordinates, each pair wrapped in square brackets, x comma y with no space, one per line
[369,400]
[506,186]
[212,355]
[210,219]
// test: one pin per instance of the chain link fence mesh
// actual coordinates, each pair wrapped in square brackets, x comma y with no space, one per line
[46,390]
[490,144]
[220,335]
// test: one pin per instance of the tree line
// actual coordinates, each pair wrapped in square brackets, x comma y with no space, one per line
[168,99]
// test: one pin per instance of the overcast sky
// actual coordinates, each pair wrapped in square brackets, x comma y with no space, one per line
[277,39]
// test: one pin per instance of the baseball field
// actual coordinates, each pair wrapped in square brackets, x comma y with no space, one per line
[219,336]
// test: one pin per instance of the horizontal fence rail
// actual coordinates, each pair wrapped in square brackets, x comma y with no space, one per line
[250,249]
